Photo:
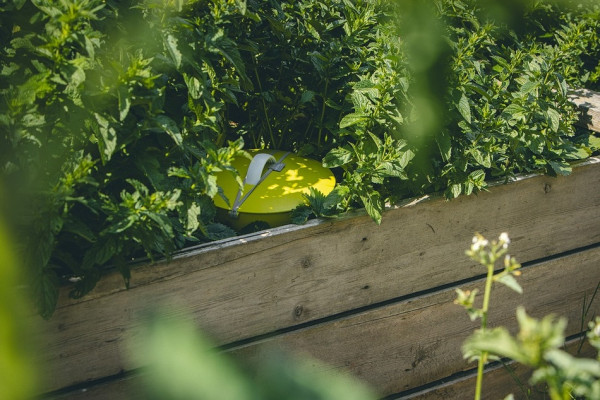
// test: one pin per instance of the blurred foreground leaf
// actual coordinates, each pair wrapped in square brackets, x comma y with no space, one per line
[16,370]
[180,363]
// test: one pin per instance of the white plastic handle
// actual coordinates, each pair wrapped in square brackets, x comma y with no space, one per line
[255,169]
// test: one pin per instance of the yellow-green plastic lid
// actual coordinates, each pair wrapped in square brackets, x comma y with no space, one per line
[281,190]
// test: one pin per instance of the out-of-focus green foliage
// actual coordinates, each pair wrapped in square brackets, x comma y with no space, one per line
[115,116]
[17,374]
[180,364]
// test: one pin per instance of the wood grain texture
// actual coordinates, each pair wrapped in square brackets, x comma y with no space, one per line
[588,103]
[411,343]
[408,344]
[249,286]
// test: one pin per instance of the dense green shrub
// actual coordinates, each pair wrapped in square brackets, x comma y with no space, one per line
[115,115]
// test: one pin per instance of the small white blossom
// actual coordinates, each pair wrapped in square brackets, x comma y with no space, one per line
[504,239]
[478,243]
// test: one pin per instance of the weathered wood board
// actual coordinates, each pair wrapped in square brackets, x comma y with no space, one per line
[410,343]
[246,287]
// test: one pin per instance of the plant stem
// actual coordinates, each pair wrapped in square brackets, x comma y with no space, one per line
[484,312]
[263,103]
[322,113]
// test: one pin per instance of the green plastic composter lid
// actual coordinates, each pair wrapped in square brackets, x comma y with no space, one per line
[274,184]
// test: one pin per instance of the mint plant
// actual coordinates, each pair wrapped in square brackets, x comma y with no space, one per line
[116,116]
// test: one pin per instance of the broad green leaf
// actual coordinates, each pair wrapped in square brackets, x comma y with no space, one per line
[392,169]
[351,119]
[124,102]
[468,187]
[479,90]
[311,29]
[107,138]
[367,87]
[102,251]
[89,47]
[300,214]
[477,176]
[537,143]
[445,145]
[170,127]
[33,120]
[216,231]
[510,281]
[76,226]
[45,285]
[172,46]
[483,159]
[195,87]
[572,366]
[242,6]
[335,197]
[192,222]
[455,189]
[553,119]
[464,108]
[496,341]
[514,111]
[373,206]
[211,188]
[560,167]
[337,157]
[307,96]
[528,87]
[405,158]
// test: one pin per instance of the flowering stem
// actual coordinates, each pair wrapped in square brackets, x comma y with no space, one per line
[484,312]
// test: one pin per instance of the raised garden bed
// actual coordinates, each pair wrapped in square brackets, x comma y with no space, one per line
[375,301]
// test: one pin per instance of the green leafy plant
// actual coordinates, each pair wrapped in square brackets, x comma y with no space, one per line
[116,116]
[108,147]
[538,343]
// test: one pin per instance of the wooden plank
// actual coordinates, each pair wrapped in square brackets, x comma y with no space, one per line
[498,382]
[411,343]
[588,103]
[414,342]
[240,290]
